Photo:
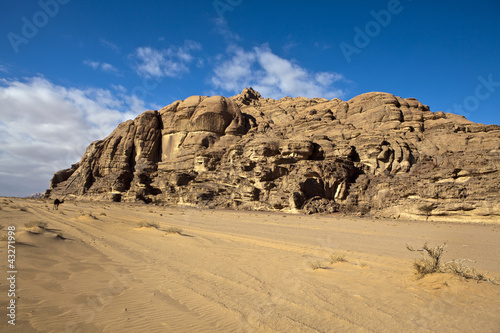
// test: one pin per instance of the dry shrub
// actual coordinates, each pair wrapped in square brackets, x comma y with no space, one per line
[457,267]
[173,230]
[427,210]
[145,224]
[36,224]
[317,265]
[335,258]
[432,264]
[36,227]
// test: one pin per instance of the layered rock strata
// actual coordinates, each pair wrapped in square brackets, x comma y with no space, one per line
[375,154]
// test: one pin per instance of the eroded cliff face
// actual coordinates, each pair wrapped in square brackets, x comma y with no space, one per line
[376,153]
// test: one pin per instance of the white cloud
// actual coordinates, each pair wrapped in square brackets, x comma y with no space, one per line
[93,64]
[232,74]
[45,127]
[272,75]
[108,68]
[105,67]
[172,62]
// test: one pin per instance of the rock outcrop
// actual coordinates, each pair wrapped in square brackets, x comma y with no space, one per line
[375,154]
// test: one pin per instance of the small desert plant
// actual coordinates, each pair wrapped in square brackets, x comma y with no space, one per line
[433,264]
[430,265]
[173,230]
[335,258]
[145,224]
[36,227]
[23,209]
[427,210]
[36,224]
[316,265]
[457,267]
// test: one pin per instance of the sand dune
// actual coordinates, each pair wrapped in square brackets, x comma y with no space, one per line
[94,269]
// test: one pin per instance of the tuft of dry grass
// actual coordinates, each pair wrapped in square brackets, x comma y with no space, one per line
[36,224]
[430,265]
[458,268]
[335,258]
[433,264]
[317,265]
[36,227]
[362,264]
[145,224]
[173,230]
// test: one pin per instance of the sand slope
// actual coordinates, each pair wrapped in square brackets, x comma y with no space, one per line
[94,270]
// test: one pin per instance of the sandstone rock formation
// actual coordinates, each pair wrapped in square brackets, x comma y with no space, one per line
[376,153]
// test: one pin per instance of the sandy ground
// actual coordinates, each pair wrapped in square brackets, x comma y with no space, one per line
[92,269]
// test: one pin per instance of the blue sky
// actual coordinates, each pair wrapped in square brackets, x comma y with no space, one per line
[71,70]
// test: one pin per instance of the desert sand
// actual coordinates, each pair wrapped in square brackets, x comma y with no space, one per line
[93,269]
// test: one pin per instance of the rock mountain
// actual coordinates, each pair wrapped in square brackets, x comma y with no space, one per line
[375,154]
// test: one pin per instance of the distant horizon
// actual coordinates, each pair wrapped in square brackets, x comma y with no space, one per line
[71,71]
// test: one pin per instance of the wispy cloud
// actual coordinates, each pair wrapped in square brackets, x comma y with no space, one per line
[272,75]
[322,46]
[171,62]
[45,127]
[289,46]
[3,69]
[105,67]
[222,28]
[110,45]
